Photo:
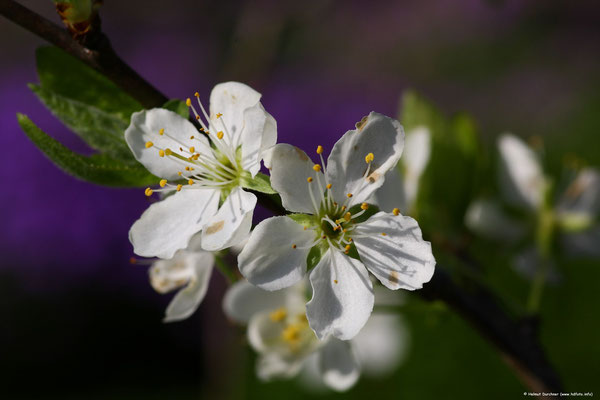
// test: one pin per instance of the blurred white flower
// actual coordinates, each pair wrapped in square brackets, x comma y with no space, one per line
[335,218]
[524,187]
[203,177]
[278,330]
[401,186]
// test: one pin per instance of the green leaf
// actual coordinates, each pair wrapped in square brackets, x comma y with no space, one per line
[66,76]
[102,131]
[260,183]
[178,107]
[98,168]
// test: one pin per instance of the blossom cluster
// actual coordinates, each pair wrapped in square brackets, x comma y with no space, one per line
[309,276]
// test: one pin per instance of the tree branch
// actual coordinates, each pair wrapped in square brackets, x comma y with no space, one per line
[98,53]
[517,341]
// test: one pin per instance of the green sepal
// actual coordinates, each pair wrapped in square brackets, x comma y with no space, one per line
[177,106]
[98,168]
[314,256]
[305,220]
[260,183]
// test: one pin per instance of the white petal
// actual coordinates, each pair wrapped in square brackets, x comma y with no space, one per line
[264,335]
[290,167]
[417,150]
[168,225]
[243,300]
[486,218]
[231,99]
[391,194]
[381,345]
[346,166]
[259,133]
[582,197]
[401,258]
[268,260]
[231,224]
[144,128]
[187,300]
[521,177]
[338,365]
[270,366]
[339,309]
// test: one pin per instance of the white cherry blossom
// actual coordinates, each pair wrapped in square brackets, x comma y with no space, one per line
[278,330]
[202,170]
[336,222]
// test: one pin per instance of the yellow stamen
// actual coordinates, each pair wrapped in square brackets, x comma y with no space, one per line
[132,260]
[396,211]
[317,167]
[335,281]
[293,246]
[364,206]
[191,137]
[197,118]
[162,183]
[369,158]
[161,153]
[329,186]
[220,134]
[347,216]
[309,179]
[219,115]
[188,102]
[291,334]
[190,181]
[383,234]
[149,144]
[319,149]
[349,195]
[347,248]
[278,315]
[168,152]
[179,173]
[196,94]
[343,208]
[179,187]
[161,131]
[148,192]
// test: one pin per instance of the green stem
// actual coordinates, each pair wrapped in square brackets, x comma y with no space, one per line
[225,270]
[544,242]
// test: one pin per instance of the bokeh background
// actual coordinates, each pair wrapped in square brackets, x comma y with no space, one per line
[78,321]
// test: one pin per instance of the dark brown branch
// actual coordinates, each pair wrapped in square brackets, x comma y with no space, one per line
[517,341]
[98,54]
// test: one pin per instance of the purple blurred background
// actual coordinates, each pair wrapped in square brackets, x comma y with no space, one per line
[322,65]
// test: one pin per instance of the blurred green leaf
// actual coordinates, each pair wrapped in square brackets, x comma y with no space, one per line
[102,131]
[260,183]
[70,78]
[178,107]
[98,168]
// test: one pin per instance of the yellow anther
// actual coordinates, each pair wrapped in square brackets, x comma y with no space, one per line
[347,248]
[369,158]
[196,156]
[220,134]
[148,192]
[192,149]
[329,186]
[335,204]
[179,187]
[219,115]
[323,237]
[344,230]
[149,144]
[349,195]
[291,334]
[162,183]
[305,228]
[383,234]
[335,281]
[396,211]
[294,246]
[191,137]
[319,149]
[317,167]
[347,216]
[187,169]
[161,131]
[188,102]
[168,152]
[343,208]
[161,153]
[197,94]
[364,206]
[190,181]
[179,173]
[309,179]
[278,315]
[132,260]
[197,118]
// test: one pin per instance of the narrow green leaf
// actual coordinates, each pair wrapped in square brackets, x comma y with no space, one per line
[102,131]
[98,168]
[178,107]
[66,76]
[260,183]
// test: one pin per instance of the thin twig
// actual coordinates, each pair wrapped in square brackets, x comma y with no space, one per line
[517,341]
